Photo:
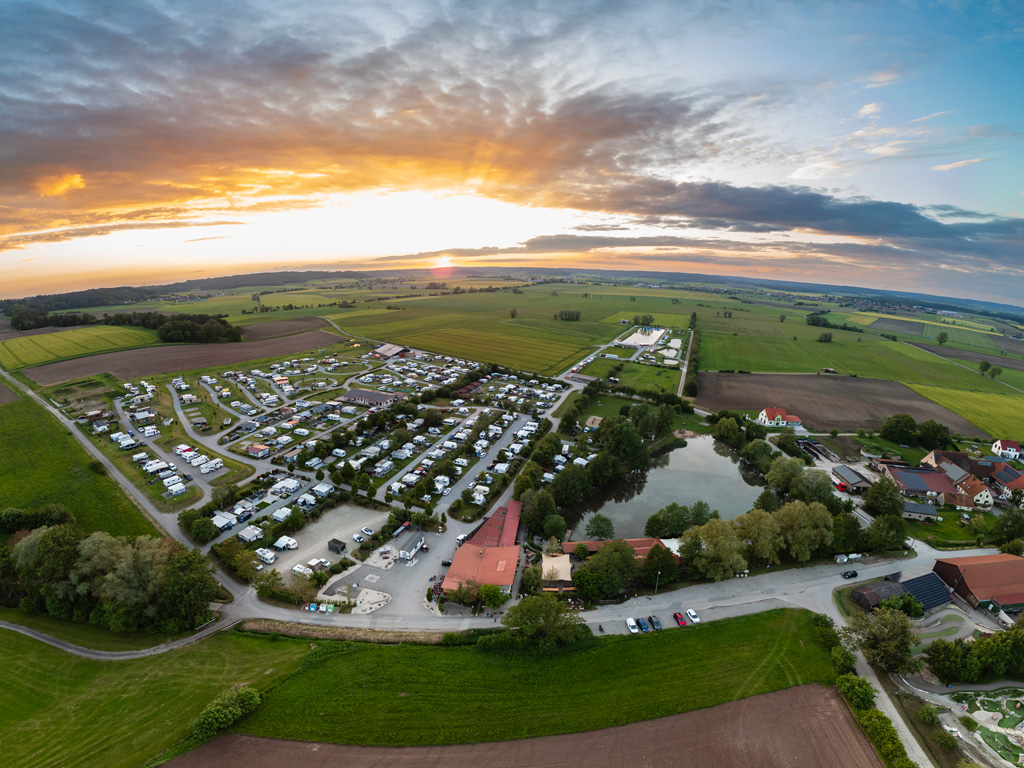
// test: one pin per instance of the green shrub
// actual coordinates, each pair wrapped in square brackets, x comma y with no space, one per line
[224,712]
[928,714]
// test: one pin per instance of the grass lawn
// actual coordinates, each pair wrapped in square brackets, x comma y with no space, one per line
[59,709]
[878,446]
[950,532]
[636,375]
[85,635]
[45,465]
[605,406]
[405,694]
[995,413]
[76,342]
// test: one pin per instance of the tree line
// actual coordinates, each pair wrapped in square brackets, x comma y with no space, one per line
[119,583]
[174,328]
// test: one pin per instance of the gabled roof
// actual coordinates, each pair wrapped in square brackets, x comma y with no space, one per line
[1007,444]
[1009,477]
[954,473]
[914,508]
[917,480]
[771,413]
[991,577]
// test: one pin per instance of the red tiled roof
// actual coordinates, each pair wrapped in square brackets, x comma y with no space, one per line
[640,546]
[511,525]
[771,413]
[992,577]
[1004,444]
[484,565]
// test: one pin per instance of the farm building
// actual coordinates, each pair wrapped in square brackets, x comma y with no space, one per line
[483,565]
[913,510]
[854,481]
[389,351]
[993,582]
[777,417]
[368,397]
[870,596]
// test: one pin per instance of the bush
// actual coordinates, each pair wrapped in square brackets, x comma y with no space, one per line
[969,723]
[858,691]
[224,712]
[883,736]
[928,715]
[946,741]
[843,660]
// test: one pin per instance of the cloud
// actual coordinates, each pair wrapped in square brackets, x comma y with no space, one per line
[869,110]
[59,184]
[960,164]
[882,78]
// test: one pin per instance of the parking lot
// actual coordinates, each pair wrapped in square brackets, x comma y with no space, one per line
[341,522]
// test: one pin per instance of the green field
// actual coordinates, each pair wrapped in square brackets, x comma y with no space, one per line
[998,414]
[59,709]
[406,694]
[636,374]
[950,532]
[43,464]
[76,342]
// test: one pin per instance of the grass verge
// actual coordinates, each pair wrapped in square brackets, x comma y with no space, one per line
[85,635]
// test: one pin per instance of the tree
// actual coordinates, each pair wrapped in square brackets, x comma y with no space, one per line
[767,501]
[994,372]
[601,469]
[581,552]
[932,435]
[812,485]
[544,617]
[899,428]
[492,596]
[843,660]
[600,527]
[554,527]
[189,589]
[886,533]
[906,603]
[513,313]
[883,498]
[759,453]
[942,338]
[203,530]
[610,570]
[537,506]
[782,318]
[570,486]
[762,535]
[1010,525]
[713,550]
[928,715]
[783,472]
[983,367]
[659,567]
[858,691]
[886,639]
[668,522]
[946,741]
[805,528]
[728,431]
[825,336]
[531,581]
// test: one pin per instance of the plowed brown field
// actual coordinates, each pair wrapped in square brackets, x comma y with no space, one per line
[825,402]
[148,361]
[275,328]
[6,395]
[804,726]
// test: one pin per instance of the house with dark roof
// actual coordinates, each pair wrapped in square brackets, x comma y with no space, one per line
[1007,480]
[919,481]
[854,481]
[913,510]
[956,458]
[993,582]
[872,595]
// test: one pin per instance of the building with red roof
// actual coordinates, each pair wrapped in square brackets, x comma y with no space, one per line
[986,581]
[640,546]
[490,555]
[777,417]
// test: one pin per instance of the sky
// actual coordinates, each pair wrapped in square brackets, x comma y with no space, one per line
[877,144]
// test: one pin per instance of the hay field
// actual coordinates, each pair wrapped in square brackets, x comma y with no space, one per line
[75,342]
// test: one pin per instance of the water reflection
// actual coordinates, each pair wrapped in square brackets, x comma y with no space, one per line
[704,470]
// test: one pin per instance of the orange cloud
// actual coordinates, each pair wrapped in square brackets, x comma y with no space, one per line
[59,184]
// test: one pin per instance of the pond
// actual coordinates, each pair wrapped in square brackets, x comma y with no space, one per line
[705,470]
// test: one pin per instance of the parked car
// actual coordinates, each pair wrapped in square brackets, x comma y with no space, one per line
[654,622]
[257,565]
[692,616]
[849,574]
[446,563]
[644,626]
[357,538]
[446,491]
[679,619]
[631,626]
[368,531]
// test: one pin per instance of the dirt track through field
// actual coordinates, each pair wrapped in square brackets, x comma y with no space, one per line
[804,726]
[825,402]
[275,328]
[148,361]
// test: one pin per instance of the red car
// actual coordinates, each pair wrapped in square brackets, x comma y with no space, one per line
[679,619]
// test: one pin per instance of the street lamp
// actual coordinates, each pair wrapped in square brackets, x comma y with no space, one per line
[656,580]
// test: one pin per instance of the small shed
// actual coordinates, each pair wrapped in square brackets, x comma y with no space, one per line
[337,546]
[872,595]
[913,510]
